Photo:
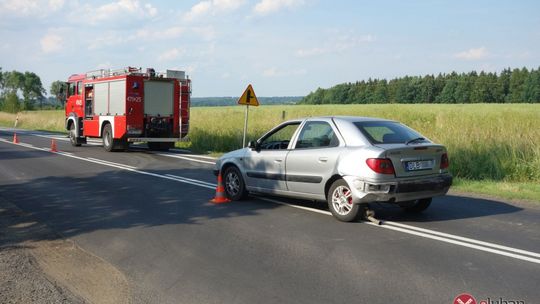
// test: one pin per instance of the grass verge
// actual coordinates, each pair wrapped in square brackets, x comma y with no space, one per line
[513,191]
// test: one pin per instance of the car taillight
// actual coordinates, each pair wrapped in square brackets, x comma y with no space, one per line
[444,161]
[380,165]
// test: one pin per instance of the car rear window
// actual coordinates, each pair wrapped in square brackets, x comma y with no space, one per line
[386,132]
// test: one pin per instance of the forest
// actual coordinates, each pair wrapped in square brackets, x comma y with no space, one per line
[509,86]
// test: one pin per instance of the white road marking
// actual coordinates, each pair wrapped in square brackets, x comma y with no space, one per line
[26,145]
[186,158]
[57,137]
[464,239]
[89,142]
[294,206]
[193,155]
[213,186]
[108,162]
[408,229]
[459,243]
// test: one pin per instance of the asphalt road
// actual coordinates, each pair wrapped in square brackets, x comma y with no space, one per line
[149,215]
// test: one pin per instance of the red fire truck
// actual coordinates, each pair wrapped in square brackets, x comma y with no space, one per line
[128,105]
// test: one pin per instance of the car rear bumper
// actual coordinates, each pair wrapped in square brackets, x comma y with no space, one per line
[399,191]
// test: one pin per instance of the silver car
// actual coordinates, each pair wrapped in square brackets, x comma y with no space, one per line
[346,161]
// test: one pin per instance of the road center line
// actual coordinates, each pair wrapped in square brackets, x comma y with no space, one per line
[193,180]
[105,161]
[460,243]
[425,233]
[464,239]
[186,158]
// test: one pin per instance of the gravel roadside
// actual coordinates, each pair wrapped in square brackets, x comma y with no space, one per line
[21,278]
[39,266]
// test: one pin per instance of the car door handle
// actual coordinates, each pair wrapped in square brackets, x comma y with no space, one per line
[323,159]
[278,160]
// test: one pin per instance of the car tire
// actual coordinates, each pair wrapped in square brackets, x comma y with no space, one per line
[235,188]
[419,205]
[73,136]
[340,202]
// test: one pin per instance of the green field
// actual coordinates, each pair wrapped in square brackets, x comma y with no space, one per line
[494,149]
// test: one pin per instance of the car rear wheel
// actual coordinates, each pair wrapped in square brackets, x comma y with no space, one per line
[340,202]
[418,205]
[235,189]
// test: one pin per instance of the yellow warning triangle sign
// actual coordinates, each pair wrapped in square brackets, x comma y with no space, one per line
[248,98]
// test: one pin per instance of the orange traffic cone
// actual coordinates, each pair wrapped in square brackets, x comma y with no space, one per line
[220,192]
[53,145]
[15,139]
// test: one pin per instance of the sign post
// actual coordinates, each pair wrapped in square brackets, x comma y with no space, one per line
[248,98]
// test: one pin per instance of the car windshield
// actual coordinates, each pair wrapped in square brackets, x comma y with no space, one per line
[387,132]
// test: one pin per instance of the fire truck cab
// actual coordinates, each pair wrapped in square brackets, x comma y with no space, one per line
[128,105]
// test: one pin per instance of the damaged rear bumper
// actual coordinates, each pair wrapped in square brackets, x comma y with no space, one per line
[400,190]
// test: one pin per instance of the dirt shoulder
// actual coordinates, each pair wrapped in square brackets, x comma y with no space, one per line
[39,266]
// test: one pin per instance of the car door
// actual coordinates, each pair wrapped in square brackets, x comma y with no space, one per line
[265,166]
[313,159]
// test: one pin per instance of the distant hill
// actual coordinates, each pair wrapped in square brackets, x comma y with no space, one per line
[230,101]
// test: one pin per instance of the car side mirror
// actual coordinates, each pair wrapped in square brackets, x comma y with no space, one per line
[254,145]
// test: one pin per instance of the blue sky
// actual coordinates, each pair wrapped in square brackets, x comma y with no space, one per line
[282,47]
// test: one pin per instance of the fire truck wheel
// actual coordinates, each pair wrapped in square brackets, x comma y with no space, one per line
[73,136]
[108,142]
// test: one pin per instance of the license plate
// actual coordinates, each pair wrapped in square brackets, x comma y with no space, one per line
[419,165]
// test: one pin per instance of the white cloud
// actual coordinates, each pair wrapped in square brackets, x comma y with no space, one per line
[473,54]
[117,10]
[274,72]
[19,7]
[311,52]
[206,32]
[168,33]
[30,7]
[56,4]
[51,43]
[212,7]
[335,44]
[106,39]
[171,54]
[271,6]
[104,66]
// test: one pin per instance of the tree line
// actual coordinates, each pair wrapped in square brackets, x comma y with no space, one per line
[14,84]
[24,91]
[231,101]
[509,86]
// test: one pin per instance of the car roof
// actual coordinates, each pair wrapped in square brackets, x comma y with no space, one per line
[349,119]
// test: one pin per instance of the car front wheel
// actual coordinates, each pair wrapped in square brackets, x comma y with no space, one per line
[340,202]
[235,189]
